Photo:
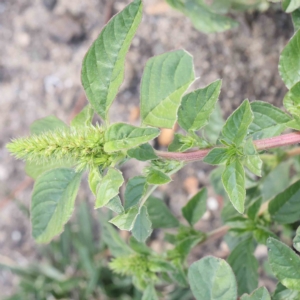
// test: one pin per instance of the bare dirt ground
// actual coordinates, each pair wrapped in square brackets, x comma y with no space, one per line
[42,45]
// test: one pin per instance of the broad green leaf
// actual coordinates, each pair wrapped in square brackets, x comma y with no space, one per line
[289,62]
[285,207]
[94,180]
[52,202]
[291,102]
[244,266]
[142,225]
[197,106]
[236,126]
[202,17]
[212,130]
[282,293]
[125,220]
[285,264]
[112,239]
[135,189]
[196,207]
[268,120]
[181,143]
[211,278]
[157,177]
[290,5]
[259,294]
[159,214]
[150,293]
[233,179]
[296,19]
[109,186]
[217,156]
[103,66]
[115,205]
[166,77]
[143,152]
[252,160]
[296,240]
[84,118]
[121,136]
[49,123]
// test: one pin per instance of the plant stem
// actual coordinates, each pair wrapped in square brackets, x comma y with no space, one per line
[264,144]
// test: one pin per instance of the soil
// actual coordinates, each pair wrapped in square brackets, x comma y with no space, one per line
[42,45]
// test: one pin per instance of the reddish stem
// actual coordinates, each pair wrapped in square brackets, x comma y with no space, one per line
[264,144]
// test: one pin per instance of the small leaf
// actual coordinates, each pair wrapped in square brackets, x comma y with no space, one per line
[296,19]
[84,118]
[139,247]
[254,207]
[142,225]
[135,189]
[52,202]
[94,179]
[285,264]
[196,207]
[143,152]
[291,101]
[262,233]
[121,136]
[236,126]
[296,240]
[285,207]
[49,123]
[159,214]
[211,278]
[166,77]
[259,294]
[217,156]
[252,160]
[233,179]
[244,266]
[289,62]
[197,106]
[115,205]
[181,143]
[290,5]
[103,66]
[125,220]
[157,177]
[109,186]
[150,293]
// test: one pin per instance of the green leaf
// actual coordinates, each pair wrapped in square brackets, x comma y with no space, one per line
[259,294]
[109,186]
[289,62]
[285,207]
[290,5]
[217,156]
[244,266]
[268,120]
[94,179]
[202,17]
[285,264]
[115,205]
[291,102]
[159,214]
[125,220]
[139,247]
[142,225]
[49,123]
[103,66]
[282,293]
[211,278]
[253,208]
[52,202]
[84,118]
[181,143]
[157,177]
[252,160]
[196,207]
[262,233]
[143,152]
[166,77]
[236,126]
[150,293]
[197,106]
[135,189]
[121,136]
[296,19]
[233,179]
[296,240]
